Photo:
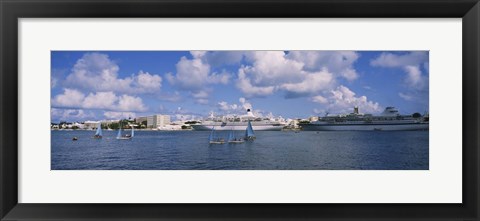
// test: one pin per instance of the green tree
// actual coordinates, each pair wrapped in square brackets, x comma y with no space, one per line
[114,126]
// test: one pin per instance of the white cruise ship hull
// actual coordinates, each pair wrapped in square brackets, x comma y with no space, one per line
[365,127]
[238,127]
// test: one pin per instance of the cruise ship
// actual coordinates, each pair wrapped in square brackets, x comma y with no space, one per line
[389,120]
[240,123]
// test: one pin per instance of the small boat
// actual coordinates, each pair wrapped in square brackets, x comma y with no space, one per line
[75,138]
[249,134]
[215,140]
[126,136]
[98,133]
[232,139]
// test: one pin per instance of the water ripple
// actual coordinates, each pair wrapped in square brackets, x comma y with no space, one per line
[189,150]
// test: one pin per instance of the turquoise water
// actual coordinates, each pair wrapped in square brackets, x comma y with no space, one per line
[272,150]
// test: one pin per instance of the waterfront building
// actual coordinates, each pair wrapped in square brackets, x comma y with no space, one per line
[158,120]
[89,125]
[76,125]
[139,120]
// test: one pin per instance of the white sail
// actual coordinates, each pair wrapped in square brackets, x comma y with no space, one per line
[121,137]
[249,134]
[119,134]
[99,130]
[231,136]
[210,138]
[213,139]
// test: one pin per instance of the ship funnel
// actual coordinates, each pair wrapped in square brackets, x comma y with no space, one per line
[355,110]
[250,114]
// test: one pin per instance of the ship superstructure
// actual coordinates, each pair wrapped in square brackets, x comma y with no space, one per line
[389,120]
[233,122]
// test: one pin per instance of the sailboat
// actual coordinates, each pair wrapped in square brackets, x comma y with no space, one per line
[213,139]
[126,136]
[233,139]
[98,133]
[249,134]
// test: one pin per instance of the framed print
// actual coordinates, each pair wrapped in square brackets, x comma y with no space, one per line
[239,110]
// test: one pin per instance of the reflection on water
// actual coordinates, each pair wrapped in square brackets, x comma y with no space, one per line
[272,150]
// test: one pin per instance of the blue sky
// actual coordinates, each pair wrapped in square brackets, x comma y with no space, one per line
[95,85]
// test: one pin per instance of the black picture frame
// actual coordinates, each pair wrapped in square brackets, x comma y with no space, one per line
[12,10]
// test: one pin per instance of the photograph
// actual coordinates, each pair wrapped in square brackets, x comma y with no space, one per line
[239,110]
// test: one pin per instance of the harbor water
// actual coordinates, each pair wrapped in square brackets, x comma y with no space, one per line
[272,150]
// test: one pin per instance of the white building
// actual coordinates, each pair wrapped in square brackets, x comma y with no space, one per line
[171,127]
[76,125]
[139,120]
[90,124]
[157,121]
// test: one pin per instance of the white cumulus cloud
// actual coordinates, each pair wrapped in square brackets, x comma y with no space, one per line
[130,103]
[272,67]
[340,63]
[195,75]
[118,115]
[388,59]
[245,85]
[312,83]
[296,73]
[145,82]
[59,114]
[72,98]
[414,78]
[218,58]
[191,74]
[96,72]
[69,98]
[405,96]
[342,100]
[411,63]
[415,65]
[320,99]
[99,100]
[237,108]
